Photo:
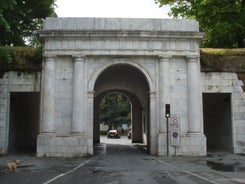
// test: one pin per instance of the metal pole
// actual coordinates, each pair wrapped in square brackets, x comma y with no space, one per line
[167,138]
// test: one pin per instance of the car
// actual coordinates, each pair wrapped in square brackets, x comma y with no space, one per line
[129,134]
[113,134]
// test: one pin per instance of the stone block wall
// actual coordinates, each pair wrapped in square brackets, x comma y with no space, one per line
[228,82]
[14,81]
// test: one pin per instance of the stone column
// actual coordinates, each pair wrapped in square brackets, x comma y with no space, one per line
[90,122]
[153,124]
[78,95]
[48,105]
[194,95]
[164,84]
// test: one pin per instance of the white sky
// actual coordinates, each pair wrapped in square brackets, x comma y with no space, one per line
[111,8]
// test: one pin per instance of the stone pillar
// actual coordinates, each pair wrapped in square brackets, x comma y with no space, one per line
[164,84]
[90,122]
[78,95]
[153,124]
[194,95]
[48,104]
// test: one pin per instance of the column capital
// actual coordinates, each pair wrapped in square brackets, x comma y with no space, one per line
[192,58]
[91,94]
[49,55]
[79,58]
[152,94]
[165,58]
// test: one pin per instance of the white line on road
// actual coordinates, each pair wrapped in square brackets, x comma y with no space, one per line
[68,172]
[104,149]
[187,172]
[198,176]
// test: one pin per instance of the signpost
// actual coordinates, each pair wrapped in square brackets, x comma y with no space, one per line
[167,115]
[174,129]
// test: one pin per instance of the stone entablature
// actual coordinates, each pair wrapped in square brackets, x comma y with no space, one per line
[111,37]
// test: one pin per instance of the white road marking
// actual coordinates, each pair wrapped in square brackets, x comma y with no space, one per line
[104,149]
[198,176]
[187,172]
[66,173]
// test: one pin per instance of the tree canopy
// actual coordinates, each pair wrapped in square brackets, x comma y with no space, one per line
[20,18]
[221,20]
[115,110]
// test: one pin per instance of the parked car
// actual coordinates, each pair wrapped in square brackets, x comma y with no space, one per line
[113,134]
[129,134]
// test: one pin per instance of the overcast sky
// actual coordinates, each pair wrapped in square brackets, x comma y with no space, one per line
[110,8]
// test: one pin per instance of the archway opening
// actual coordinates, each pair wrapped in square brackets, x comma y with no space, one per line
[23,122]
[115,114]
[131,83]
[218,121]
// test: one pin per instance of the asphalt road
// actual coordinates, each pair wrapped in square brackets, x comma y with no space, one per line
[117,161]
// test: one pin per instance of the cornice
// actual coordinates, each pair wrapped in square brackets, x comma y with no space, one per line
[119,34]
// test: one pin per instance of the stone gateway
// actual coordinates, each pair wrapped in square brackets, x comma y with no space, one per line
[152,61]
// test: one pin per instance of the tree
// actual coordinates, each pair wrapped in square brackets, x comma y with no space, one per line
[20,18]
[221,20]
[115,110]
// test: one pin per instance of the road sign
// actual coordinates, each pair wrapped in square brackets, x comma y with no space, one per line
[175,131]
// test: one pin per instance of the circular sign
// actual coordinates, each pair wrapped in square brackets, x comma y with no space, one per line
[175,121]
[175,135]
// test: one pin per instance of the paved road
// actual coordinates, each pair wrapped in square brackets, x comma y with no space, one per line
[117,163]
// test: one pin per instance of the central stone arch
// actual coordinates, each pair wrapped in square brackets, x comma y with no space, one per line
[116,61]
[127,78]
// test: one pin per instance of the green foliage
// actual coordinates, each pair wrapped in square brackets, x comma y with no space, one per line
[115,110]
[222,52]
[5,55]
[20,58]
[221,20]
[20,18]
[222,60]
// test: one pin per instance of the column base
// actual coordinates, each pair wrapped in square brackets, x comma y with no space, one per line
[50,145]
[192,144]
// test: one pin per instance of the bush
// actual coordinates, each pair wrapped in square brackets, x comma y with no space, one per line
[20,58]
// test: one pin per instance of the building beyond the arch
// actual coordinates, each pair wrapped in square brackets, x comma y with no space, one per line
[153,61]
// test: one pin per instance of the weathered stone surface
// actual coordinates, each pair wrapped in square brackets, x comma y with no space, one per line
[154,61]
[135,44]
[120,24]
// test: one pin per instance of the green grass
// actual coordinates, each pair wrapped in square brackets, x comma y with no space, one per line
[222,52]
